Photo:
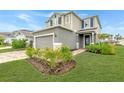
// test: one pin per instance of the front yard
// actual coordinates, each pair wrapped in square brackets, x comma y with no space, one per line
[90,67]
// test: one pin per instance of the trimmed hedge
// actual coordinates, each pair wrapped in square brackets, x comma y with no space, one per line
[101,48]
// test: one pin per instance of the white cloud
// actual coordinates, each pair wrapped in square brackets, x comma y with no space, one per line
[113,29]
[26,18]
[43,14]
[5,27]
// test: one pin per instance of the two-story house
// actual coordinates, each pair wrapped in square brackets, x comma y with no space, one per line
[68,29]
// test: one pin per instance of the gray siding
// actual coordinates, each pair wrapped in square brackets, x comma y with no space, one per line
[76,23]
[44,32]
[67,37]
[64,36]
[53,30]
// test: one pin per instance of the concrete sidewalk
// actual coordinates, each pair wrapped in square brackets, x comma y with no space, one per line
[75,52]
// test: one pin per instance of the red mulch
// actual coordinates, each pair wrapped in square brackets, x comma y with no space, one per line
[44,68]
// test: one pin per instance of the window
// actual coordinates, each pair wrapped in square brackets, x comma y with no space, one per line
[51,22]
[86,25]
[59,20]
[55,16]
[67,19]
[82,24]
[91,22]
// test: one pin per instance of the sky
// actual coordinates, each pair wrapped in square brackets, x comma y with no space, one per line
[112,21]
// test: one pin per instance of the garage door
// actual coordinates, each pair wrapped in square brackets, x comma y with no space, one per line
[44,41]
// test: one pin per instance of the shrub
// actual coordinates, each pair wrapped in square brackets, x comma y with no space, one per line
[30,52]
[50,56]
[1,40]
[101,48]
[19,43]
[108,49]
[94,48]
[65,54]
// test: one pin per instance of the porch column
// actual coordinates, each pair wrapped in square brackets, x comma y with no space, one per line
[84,41]
[34,42]
[77,41]
[93,37]
[90,36]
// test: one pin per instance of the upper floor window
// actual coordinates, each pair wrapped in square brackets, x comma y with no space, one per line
[86,24]
[55,16]
[67,19]
[91,22]
[51,22]
[59,20]
[82,24]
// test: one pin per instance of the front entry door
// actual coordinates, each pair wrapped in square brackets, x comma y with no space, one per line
[87,40]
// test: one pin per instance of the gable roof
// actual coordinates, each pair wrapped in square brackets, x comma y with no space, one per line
[97,17]
[53,28]
[56,13]
[76,16]
[63,13]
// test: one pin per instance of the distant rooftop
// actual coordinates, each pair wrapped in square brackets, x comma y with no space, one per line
[27,33]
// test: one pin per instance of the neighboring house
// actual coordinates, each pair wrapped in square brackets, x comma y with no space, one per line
[18,34]
[68,29]
[22,34]
[121,42]
[7,37]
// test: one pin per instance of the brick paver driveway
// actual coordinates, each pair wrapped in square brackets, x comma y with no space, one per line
[10,56]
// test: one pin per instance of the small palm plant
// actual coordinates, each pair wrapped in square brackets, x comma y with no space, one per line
[51,56]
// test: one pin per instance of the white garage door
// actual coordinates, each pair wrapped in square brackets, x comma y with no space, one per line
[44,41]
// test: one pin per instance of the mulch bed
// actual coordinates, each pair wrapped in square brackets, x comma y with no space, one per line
[44,68]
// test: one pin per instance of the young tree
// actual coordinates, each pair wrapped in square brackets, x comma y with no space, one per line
[1,40]
[118,37]
[103,36]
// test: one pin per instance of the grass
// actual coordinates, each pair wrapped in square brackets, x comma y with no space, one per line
[9,50]
[2,46]
[90,67]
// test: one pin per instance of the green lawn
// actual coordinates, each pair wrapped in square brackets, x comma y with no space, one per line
[2,46]
[90,67]
[9,50]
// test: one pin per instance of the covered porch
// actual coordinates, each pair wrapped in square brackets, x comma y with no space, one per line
[85,38]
